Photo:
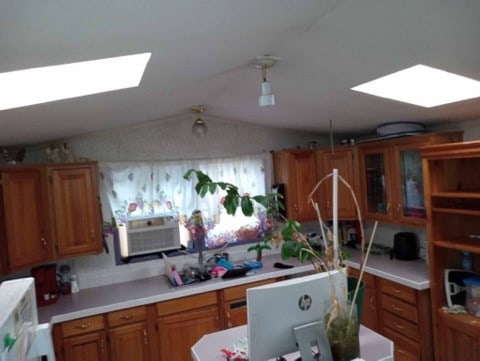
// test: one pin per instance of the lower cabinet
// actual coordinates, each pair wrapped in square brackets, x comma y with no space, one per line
[404,316]
[82,339]
[233,304]
[399,313]
[460,338]
[369,304]
[130,335]
[182,322]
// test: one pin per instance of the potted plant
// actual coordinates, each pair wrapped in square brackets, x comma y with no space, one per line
[340,320]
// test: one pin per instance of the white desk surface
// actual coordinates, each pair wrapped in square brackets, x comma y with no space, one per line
[373,347]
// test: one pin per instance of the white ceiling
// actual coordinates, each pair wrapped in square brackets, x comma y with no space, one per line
[202,52]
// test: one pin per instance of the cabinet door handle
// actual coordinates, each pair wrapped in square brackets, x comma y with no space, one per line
[84,326]
[102,346]
[92,235]
[373,304]
[389,206]
[145,337]
[127,317]
[44,242]
[229,320]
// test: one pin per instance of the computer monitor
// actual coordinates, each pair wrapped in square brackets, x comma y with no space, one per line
[274,310]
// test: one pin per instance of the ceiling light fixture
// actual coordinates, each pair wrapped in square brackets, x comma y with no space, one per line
[41,85]
[199,128]
[423,85]
[265,62]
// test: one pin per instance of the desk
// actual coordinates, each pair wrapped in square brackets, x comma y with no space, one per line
[373,347]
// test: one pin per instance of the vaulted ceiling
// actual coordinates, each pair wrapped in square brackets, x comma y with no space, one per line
[202,53]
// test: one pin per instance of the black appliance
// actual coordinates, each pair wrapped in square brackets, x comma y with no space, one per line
[404,246]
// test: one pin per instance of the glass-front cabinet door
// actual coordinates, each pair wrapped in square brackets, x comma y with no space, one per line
[410,204]
[377,191]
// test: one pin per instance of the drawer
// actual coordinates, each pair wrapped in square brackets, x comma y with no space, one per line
[186,303]
[404,348]
[399,308]
[404,293]
[240,292]
[367,278]
[401,326]
[127,316]
[82,325]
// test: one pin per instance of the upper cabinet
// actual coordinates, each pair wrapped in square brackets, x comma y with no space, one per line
[391,177]
[27,238]
[75,209]
[345,160]
[48,212]
[296,170]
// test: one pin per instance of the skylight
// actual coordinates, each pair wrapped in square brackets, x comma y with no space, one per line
[422,85]
[40,85]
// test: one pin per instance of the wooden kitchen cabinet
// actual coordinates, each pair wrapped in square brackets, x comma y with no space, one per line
[233,303]
[27,238]
[75,208]
[452,195]
[131,335]
[345,159]
[297,171]
[182,322]
[404,317]
[369,304]
[48,212]
[392,178]
[83,339]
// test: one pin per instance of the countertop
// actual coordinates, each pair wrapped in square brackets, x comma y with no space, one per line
[118,296]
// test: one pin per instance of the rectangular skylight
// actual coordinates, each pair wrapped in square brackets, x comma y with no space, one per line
[40,85]
[422,85]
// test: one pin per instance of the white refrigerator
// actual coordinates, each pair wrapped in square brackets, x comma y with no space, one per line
[21,337]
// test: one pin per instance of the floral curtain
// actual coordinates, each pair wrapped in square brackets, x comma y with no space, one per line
[157,188]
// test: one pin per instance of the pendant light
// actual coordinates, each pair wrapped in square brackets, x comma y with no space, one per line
[265,62]
[199,128]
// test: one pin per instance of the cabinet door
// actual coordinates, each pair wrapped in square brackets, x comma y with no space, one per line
[409,204]
[376,183]
[131,342]
[75,204]
[236,313]
[302,180]
[177,333]
[89,347]
[369,304]
[345,160]
[459,345]
[25,214]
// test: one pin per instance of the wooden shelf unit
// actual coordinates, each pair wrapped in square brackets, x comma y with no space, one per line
[452,197]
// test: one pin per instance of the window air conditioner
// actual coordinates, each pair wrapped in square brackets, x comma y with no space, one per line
[148,235]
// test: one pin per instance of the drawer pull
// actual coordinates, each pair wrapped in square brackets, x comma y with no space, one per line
[127,317]
[229,320]
[395,290]
[399,326]
[397,308]
[84,326]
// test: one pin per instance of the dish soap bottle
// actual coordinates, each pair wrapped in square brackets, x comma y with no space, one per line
[74,283]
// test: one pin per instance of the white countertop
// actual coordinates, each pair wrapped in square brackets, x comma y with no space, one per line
[373,347]
[118,296]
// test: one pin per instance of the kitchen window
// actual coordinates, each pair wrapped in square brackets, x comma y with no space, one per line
[157,188]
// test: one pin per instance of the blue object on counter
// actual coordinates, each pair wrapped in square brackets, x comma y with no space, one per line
[225,264]
[253,264]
